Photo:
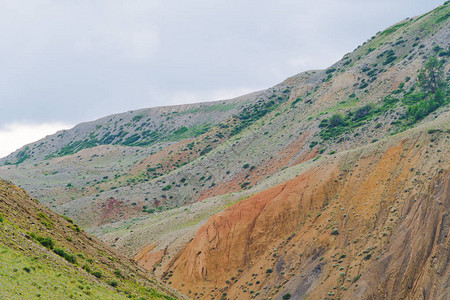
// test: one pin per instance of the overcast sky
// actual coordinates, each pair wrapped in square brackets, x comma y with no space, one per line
[64,62]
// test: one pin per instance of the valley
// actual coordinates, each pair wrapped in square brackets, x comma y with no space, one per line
[333,184]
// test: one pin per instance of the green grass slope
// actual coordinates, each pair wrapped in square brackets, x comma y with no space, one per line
[43,255]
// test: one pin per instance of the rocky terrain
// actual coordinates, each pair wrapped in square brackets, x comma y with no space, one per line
[370,222]
[332,184]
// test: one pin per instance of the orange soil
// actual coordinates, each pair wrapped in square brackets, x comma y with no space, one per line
[377,204]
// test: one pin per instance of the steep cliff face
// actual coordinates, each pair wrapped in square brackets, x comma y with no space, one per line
[370,223]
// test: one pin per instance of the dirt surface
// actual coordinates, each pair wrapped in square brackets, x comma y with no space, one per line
[338,230]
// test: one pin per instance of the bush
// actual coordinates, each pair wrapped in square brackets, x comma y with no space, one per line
[45,220]
[287,296]
[356,278]
[67,219]
[362,112]
[1,218]
[167,187]
[389,59]
[268,271]
[69,257]
[46,242]
[313,144]
[296,101]
[97,274]
[336,120]
[118,273]
[74,227]
[112,283]
[87,268]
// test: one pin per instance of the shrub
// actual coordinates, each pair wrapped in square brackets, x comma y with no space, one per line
[268,271]
[118,273]
[181,130]
[45,220]
[69,257]
[46,242]
[313,144]
[287,296]
[336,120]
[137,118]
[97,274]
[334,231]
[112,283]
[87,268]
[389,59]
[167,187]
[323,123]
[362,112]
[74,227]
[67,219]
[1,218]
[245,184]
[296,101]
[356,278]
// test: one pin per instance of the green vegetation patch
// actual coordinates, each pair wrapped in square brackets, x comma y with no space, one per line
[252,113]
[393,28]
[24,277]
[433,93]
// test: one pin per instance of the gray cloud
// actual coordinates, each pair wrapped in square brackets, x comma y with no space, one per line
[72,61]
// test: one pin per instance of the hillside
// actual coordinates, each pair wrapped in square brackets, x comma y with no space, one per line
[369,223]
[44,255]
[157,159]
[332,184]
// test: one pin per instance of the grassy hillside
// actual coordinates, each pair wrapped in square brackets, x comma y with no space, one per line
[43,255]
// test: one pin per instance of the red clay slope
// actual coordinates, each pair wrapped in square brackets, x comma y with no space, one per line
[367,224]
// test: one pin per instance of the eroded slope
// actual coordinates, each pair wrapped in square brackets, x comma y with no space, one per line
[370,223]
